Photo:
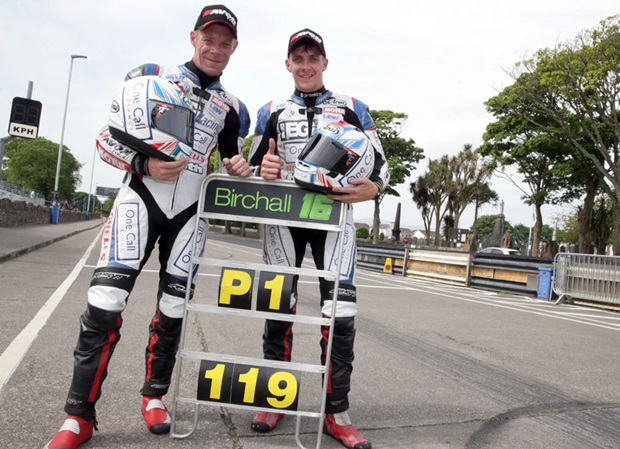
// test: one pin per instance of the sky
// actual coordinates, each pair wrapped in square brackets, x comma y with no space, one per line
[437,62]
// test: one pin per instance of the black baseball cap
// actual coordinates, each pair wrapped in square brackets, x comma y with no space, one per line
[306,35]
[217,14]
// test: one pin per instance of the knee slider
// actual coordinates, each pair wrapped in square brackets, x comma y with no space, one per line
[169,325]
[344,326]
[102,320]
[276,329]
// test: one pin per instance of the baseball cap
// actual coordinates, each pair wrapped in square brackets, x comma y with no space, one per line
[306,35]
[217,14]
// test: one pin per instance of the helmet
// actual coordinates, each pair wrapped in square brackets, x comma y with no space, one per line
[151,115]
[335,154]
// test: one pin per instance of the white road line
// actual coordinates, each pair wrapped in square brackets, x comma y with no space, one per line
[525,304]
[15,352]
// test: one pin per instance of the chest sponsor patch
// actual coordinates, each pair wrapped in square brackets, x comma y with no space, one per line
[333,110]
[332,117]
[219,103]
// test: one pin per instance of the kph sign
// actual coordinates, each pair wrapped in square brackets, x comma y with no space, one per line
[25,117]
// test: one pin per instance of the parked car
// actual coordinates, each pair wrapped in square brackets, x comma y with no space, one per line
[498,250]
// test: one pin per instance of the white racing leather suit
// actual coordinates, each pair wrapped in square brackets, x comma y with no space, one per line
[291,123]
[145,212]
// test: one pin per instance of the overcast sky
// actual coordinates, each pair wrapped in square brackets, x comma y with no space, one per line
[437,62]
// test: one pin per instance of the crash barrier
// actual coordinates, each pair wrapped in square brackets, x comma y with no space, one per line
[250,290]
[515,274]
[497,272]
[375,258]
[587,276]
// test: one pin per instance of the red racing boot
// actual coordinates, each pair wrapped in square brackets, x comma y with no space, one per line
[264,422]
[338,426]
[74,431]
[155,414]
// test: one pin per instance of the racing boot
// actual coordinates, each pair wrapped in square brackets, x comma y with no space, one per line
[155,415]
[74,431]
[264,422]
[338,426]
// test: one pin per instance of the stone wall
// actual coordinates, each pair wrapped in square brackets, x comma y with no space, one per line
[22,213]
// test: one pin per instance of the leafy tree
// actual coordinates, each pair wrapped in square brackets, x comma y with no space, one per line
[106,208]
[537,154]
[448,223]
[572,90]
[568,231]
[362,233]
[31,163]
[602,224]
[470,174]
[435,187]
[449,186]
[482,194]
[402,155]
[421,197]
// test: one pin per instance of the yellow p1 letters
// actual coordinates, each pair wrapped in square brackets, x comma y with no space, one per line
[235,288]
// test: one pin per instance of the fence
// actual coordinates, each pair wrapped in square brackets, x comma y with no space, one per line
[515,274]
[586,276]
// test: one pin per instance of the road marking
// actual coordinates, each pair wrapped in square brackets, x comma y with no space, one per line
[538,307]
[15,352]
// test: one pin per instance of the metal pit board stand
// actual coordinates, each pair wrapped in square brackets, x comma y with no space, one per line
[283,203]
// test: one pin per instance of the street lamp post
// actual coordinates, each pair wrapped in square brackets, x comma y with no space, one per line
[64,119]
[92,174]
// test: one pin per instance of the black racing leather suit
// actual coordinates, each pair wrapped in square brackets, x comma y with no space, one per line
[291,123]
[145,212]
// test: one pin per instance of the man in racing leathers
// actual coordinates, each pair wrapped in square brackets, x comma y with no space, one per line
[282,130]
[156,203]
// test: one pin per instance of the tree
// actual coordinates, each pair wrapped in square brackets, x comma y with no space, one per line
[402,155]
[433,188]
[421,197]
[106,208]
[602,224]
[538,155]
[572,90]
[31,163]
[362,233]
[568,231]
[470,175]
[482,194]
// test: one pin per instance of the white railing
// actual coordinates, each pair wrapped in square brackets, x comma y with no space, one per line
[587,276]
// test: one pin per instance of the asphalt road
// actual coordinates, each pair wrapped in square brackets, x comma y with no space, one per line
[436,366]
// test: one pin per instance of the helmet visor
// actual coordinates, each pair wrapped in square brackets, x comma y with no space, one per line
[175,120]
[329,154]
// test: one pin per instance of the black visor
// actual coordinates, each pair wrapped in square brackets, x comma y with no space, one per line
[329,154]
[174,120]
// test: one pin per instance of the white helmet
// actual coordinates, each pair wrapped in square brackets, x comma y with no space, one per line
[335,154]
[151,115]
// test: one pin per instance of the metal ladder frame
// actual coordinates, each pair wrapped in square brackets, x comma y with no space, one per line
[205,212]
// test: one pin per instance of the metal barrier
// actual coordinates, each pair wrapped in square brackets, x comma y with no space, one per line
[374,258]
[587,276]
[514,274]
[504,273]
